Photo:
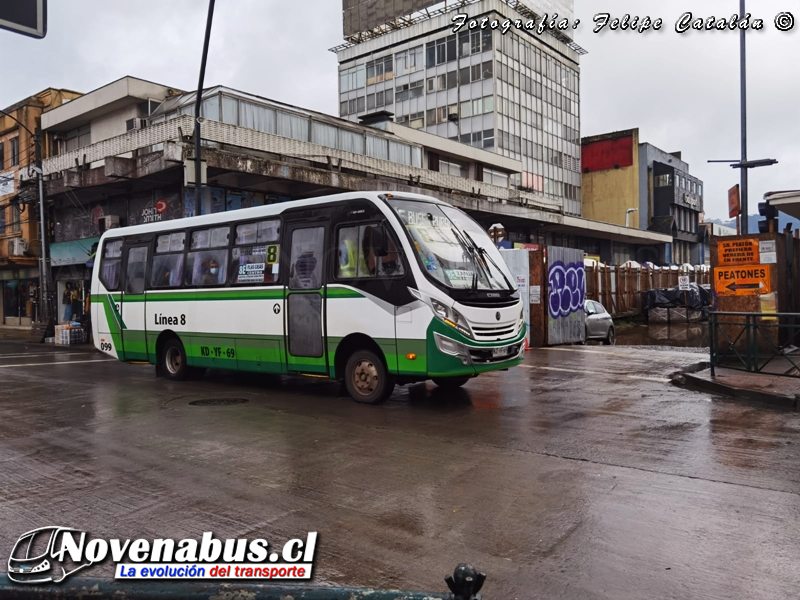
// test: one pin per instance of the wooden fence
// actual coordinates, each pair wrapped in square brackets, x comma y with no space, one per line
[619,288]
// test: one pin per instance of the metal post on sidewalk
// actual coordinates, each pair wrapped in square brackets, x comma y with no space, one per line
[44,272]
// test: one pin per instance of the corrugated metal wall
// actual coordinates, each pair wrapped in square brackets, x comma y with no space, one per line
[518,262]
[566,292]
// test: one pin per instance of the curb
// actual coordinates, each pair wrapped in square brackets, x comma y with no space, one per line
[687,379]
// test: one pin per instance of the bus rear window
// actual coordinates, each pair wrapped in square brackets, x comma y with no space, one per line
[110,265]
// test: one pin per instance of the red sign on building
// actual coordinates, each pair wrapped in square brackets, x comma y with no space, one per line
[608,154]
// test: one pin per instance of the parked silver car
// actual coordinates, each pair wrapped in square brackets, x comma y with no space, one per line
[599,325]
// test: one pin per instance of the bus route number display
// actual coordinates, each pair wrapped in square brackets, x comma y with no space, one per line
[253,272]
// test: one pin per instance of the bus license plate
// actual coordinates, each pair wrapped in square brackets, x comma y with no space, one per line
[501,352]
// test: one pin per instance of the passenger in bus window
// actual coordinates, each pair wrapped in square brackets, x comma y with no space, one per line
[165,279]
[210,273]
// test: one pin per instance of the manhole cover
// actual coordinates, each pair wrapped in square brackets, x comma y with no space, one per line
[218,401]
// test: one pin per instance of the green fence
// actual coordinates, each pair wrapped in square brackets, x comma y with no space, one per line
[755,342]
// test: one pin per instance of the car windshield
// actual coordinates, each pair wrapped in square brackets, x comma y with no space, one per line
[452,248]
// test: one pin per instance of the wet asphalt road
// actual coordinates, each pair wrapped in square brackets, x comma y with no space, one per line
[581,474]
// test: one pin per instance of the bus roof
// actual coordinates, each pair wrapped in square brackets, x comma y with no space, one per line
[257,212]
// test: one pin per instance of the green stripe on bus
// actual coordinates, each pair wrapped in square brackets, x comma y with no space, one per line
[337,292]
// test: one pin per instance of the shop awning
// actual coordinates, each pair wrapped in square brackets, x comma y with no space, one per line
[76,252]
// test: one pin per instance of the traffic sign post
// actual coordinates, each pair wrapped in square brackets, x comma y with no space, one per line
[28,17]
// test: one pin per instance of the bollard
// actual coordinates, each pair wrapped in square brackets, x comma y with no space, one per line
[465,582]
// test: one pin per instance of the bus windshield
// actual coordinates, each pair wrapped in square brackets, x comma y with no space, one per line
[452,247]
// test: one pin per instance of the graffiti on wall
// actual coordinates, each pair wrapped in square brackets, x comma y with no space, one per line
[567,287]
[566,292]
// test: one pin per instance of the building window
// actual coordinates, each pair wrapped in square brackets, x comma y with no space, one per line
[408,61]
[14,147]
[2,156]
[440,52]
[453,167]
[662,180]
[495,177]
[379,70]
[78,138]
[417,120]
[352,78]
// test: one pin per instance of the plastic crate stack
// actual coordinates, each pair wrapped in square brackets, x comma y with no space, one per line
[69,335]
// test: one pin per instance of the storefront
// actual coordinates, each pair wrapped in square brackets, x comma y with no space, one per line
[72,277]
[20,290]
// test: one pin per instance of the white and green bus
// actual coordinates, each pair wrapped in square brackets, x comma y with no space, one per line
[372,289]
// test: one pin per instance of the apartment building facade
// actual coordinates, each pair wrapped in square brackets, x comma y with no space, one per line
[20,238]
[515,93]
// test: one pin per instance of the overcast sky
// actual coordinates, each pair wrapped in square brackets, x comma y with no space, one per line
[680,90]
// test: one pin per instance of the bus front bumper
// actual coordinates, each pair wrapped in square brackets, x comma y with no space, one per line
[451,358]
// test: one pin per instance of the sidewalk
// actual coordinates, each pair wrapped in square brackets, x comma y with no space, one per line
[764,388]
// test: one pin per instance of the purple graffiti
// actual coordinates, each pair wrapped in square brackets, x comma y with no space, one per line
[567,285]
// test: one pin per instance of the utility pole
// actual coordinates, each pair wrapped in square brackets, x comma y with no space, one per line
[44,272]
[197,105]
[743,91]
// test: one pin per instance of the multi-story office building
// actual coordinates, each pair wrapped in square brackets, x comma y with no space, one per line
[635,184]
[514,93]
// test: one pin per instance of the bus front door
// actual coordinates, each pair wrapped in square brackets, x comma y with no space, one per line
[305,301]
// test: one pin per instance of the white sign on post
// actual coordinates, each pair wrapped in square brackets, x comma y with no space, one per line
[683,283]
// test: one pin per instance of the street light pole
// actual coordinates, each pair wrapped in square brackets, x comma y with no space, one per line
[44,279]
[197,105]
[743,86]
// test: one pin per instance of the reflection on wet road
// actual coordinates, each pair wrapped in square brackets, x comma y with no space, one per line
[581,474]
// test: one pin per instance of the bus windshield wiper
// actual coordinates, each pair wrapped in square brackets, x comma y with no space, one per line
[486,256]
[471,252]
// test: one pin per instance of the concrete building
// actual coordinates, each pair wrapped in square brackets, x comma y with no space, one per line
[20,240]
[260,151]
[515,94]
[709,231]
[625,180]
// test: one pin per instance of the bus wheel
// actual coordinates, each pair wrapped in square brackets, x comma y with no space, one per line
[451,383]
[367,379]
[173,360]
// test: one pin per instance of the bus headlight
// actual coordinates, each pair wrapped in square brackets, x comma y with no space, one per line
[440,309]
[451,317]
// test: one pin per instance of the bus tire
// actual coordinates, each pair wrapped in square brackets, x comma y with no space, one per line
[367,379]
[173,360]
[450,383]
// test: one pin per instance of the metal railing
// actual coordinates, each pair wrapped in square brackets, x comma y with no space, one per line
[764,343]
[464,584]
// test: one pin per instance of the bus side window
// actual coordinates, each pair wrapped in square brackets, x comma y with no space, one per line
[168,262]
[255,257]
[111,265]
[358,258]
[208,266]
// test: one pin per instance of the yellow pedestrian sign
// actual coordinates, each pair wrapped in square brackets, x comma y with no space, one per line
[742,281]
